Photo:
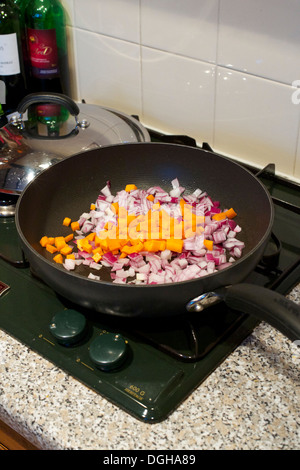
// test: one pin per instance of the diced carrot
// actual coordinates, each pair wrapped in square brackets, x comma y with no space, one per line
[127,249]
[219,216]
[114,244]
[51,248]
[182,204]
[150,197]
[134,241]
[92,207]
[66,250]
[84,245]
[51,240]
[230,213]
[97,257]
[71,256]
[91,236]
[154,245]
[124,241]
[173,244]
[130,187]
[104,245]
[80,244]
[58,259]
[67,221]
[59,242]
[68,238]
[97,240]
[98,250]
[139,247]
[162,245]
[132,249]
[44,241]
[88,248]
[208,244]
[75,226]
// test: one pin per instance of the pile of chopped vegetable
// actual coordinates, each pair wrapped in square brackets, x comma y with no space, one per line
[150,236]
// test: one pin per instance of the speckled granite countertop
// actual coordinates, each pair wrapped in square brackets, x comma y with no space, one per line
[250,402]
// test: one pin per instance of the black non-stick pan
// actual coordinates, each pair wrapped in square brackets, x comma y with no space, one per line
[69,187]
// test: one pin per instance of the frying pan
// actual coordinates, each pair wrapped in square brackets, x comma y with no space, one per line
[69,187]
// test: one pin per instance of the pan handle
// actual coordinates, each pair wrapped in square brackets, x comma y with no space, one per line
[54,98]
[264,304]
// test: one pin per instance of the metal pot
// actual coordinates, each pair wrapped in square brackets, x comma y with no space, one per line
[51,127]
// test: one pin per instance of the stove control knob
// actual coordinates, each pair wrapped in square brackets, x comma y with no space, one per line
[68,327]
[108,351]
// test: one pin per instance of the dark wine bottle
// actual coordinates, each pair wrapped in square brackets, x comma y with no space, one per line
[12,77]
[47,46]
[21,5]
[3,119]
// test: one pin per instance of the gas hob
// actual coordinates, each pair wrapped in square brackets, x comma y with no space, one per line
[152,367]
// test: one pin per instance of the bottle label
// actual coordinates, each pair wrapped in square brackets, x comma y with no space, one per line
[9,55]
[43,52]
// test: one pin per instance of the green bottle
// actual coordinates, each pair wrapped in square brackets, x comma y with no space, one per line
[21,5]
[12,77]
[3,121]
[47,46]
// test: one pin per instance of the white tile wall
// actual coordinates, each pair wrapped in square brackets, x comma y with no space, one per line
[261,37]
[186,28]
[109,71]
[116,18]
[218,70]
[255,119]
[178,94]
